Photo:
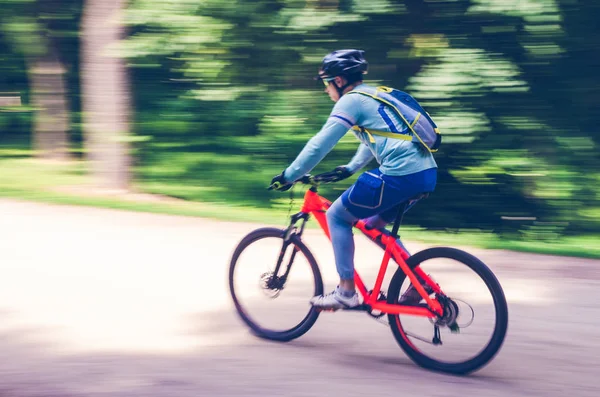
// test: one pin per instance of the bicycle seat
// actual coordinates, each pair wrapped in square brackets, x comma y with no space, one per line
[403,207]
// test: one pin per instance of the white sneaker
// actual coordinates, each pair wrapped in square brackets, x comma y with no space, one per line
[335,300]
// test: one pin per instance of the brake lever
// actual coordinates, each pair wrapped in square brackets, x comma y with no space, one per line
[273,186]
[307,179]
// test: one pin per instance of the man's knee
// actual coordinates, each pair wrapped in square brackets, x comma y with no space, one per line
[338,214]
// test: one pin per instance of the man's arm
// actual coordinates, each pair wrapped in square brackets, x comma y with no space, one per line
[317,148]
[362,157]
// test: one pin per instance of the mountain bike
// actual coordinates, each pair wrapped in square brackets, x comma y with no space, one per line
[444,318]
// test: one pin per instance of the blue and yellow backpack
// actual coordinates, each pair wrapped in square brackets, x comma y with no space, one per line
[421,128]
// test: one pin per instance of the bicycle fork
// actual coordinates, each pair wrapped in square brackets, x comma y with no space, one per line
[292,230]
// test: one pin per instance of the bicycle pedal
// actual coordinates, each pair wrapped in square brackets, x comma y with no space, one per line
[321,309]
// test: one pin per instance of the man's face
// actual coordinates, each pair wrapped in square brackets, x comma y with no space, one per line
[331,88]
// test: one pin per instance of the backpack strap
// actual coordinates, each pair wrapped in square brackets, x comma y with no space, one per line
[387,134]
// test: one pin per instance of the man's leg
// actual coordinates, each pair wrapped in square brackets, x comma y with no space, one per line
[340,223]
[366,198]
[380,221]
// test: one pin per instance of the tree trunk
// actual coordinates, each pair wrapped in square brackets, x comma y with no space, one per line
[105,94]
[48,96]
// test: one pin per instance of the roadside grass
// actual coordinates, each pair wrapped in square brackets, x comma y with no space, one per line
[26,178]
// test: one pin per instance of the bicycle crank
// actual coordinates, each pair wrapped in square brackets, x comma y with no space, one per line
[376,315]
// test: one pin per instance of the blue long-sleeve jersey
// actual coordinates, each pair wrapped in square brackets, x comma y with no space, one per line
[395,156]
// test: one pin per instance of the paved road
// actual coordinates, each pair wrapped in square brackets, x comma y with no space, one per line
[101,302]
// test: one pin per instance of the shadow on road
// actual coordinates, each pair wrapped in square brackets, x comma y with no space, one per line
[345,353]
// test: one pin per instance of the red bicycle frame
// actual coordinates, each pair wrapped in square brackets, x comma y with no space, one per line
[317,205]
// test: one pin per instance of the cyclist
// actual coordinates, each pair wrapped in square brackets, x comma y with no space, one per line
[405,169]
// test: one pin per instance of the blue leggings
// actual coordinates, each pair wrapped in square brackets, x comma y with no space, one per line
[376,198]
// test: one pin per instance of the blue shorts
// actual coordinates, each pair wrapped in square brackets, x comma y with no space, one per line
[374,193]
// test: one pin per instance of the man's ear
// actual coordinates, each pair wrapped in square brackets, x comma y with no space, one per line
[340,81]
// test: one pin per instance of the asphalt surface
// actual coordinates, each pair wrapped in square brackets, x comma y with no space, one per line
[97,302]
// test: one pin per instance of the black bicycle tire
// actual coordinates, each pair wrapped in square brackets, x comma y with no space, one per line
[309,320]
[501,307]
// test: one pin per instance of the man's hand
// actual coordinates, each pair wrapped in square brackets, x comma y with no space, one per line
[342,172]
[280,184]
[338,174]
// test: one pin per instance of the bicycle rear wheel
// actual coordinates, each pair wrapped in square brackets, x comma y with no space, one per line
[261,291]
[475,319]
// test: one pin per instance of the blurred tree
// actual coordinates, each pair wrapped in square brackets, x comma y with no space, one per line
[32,31]
[105,93]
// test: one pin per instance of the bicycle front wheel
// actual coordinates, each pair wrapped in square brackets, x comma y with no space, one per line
[271,282]
[473,326]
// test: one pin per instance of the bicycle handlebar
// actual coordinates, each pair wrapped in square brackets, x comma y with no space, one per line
[315,180]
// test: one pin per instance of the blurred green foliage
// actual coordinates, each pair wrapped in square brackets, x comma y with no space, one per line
[224,98]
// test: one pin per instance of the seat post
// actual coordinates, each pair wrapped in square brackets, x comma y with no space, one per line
[398,220]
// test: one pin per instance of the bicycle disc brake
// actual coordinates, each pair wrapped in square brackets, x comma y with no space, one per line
[271,285]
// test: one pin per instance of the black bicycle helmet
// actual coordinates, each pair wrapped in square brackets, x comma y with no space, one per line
[343,63]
